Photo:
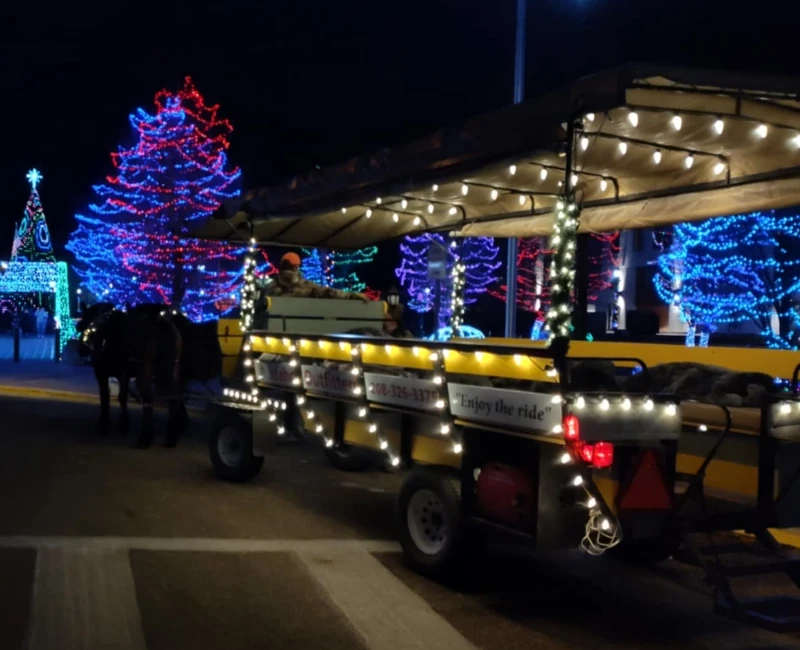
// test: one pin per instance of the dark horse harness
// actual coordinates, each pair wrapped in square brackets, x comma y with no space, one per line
[97,340]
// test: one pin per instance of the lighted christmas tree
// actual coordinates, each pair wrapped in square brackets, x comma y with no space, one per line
[337,269]
[733,270]
[533,274]
[604,258]
[315,268]
[134,247]
[427,293]
[32,237]
[532,282]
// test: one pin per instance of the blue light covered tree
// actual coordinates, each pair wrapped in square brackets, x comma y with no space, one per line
[425,293]
[742,268]
[133,247]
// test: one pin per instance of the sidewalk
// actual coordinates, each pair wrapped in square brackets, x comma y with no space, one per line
[47,380]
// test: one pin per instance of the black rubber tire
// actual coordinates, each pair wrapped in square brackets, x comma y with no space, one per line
[238,433]
[454,555]
[348,458]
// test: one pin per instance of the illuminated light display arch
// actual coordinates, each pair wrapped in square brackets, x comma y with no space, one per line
[42,277]
[33,268]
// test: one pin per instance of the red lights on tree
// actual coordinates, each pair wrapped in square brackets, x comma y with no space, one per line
[135,248]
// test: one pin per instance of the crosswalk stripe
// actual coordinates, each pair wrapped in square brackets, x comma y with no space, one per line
[199,544]
[84,598]
[381,608]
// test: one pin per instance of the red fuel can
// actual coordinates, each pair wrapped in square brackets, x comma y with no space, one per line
[505,494]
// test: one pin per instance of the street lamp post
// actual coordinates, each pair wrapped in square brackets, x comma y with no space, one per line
[519,92]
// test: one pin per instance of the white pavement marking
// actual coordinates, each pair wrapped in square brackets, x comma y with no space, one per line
[381,608]
[213,545]
[84,600]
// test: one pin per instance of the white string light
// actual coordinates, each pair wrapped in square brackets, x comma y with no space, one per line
[719,126]
[364,410]
[447,425]
[458,285]
[250,397]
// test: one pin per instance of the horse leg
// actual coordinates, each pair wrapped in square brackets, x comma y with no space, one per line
[147,433]
[176,423]
[123,426]
[102,384]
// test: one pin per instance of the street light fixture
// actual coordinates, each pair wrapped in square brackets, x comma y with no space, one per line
[393,297]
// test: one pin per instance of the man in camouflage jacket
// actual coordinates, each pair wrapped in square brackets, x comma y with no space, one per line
[290,282]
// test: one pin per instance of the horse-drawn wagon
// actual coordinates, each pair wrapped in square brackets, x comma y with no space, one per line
[566,443]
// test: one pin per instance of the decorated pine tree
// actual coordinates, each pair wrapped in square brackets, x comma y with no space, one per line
[133,246]
[315,267]
[737,269]
[32,237]
[532,279]
[428,288]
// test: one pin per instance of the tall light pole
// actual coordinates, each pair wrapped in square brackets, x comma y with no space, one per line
[519,92]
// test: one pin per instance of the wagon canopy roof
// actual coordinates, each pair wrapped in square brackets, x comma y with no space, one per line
[655,145]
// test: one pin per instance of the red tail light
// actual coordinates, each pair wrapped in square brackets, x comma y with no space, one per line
[599,455]
[603,455]
[587,453]
[572,428]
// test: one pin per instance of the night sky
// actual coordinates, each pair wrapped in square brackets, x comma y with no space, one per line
[314,82]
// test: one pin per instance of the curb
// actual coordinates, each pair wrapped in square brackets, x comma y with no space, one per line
[47,393]
[787,536]
[68,396]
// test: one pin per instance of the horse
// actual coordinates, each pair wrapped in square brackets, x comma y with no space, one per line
[143,343]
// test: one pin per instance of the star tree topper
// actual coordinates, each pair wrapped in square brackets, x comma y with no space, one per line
[34,176]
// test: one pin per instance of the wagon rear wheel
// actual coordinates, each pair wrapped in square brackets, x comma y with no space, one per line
[230,446]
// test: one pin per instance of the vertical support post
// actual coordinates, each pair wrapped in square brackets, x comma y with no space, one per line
[581,287]
[57,345]
[767,450]
[16,342]
[519,92]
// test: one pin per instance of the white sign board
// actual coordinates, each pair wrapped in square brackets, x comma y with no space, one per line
[515,408]
[329,381]
[419,394]
[274,372]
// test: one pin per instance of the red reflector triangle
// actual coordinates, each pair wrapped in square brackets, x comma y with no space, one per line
[646,490]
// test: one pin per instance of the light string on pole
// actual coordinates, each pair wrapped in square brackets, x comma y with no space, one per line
[364,411]
[447,425]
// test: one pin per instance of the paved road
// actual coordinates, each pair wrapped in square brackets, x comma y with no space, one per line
[103,546]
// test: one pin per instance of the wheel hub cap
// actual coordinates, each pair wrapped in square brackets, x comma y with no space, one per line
[427,522]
